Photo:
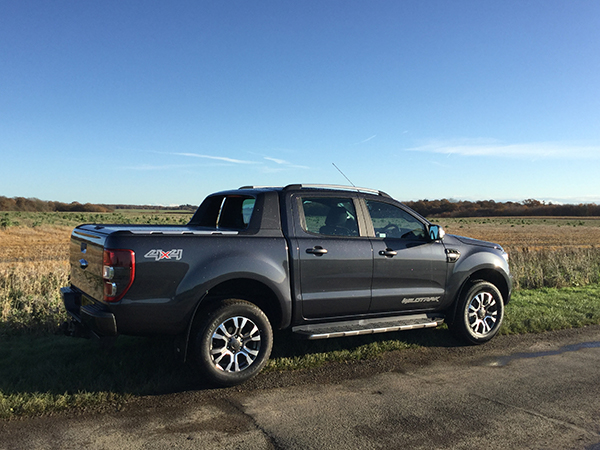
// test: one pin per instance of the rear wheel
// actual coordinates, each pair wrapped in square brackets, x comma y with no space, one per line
[479,313]
[233,343]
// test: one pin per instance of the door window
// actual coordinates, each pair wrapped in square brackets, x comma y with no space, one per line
[330,216]
[391,221]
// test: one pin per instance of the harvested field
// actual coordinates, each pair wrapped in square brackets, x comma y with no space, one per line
[519,233]
[34,254]
[544,252]
[47,243]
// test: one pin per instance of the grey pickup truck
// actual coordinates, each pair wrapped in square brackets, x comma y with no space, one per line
[322,261]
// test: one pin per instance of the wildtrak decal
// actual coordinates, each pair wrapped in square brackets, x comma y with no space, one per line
[159,254]
[409,300]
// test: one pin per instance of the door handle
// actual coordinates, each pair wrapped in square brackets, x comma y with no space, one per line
[318,250]
[388,252]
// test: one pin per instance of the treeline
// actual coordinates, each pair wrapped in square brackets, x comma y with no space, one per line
[427,208]
[185,208]
[37,205]
[490,208]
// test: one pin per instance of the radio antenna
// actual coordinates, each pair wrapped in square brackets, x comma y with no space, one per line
[339,170]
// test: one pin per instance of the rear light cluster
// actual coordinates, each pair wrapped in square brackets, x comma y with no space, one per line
[118,272]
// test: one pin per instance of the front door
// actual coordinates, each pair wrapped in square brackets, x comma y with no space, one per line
[409,271]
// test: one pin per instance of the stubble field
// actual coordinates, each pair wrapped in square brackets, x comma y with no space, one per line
[41,373]
[544,252]
[34,252]
[529,233]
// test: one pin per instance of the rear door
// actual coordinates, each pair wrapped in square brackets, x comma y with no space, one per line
[335,261]
[409,270]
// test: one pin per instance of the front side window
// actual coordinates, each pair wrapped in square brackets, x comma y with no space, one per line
[391,221]
[330,216]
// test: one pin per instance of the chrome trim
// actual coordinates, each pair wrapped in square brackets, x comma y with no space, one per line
[86,234]
[177,233]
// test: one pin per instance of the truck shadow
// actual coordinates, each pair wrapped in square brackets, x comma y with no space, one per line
[58,365]
[287,345]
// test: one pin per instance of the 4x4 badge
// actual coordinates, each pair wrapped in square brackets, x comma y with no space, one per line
[159,254]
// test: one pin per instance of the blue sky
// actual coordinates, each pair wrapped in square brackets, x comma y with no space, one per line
[160,102]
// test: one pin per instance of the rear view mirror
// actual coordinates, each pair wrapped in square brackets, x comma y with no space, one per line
[436,233]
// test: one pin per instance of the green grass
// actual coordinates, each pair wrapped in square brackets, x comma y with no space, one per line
[43,374]
[546,309]
[290,353]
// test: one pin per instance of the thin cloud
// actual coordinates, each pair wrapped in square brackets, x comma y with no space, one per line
[148,167]
[284,165]
[276,161]
[216,158]
[536,150]
[366,140]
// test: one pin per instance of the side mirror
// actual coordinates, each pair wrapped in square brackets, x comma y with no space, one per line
[436,233]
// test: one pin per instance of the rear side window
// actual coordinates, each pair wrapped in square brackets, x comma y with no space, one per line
[225,211]
[330,216]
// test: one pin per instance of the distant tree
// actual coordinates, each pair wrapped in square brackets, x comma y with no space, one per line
[491,208]
[37,205]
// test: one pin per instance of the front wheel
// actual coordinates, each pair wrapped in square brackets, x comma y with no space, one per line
[233,343]
[479,313]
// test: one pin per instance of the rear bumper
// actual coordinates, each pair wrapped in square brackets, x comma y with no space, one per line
[94,317]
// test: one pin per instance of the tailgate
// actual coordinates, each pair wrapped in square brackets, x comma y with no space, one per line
[86,259]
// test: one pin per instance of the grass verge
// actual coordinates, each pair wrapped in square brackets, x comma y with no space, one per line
[43,374]
[547,309]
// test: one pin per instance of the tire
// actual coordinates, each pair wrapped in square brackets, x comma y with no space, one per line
[233,343]
[479,313]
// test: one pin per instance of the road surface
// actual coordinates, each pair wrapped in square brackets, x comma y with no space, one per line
[516,392]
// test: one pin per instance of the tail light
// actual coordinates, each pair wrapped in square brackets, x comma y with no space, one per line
[118,272]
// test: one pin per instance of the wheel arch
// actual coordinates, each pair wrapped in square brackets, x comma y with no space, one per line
[489,275]
[250,290]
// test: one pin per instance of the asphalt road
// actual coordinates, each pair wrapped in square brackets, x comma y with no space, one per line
[516,392]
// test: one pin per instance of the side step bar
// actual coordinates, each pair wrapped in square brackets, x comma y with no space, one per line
[367,326]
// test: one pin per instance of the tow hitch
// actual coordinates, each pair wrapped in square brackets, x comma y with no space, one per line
[72,328]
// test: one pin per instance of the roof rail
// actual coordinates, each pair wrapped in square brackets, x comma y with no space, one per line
[260,187]
[322,186]
[337,186]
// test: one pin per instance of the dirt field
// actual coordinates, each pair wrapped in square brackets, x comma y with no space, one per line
[544,252]
[529,233]
[515,234]
[45,243]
